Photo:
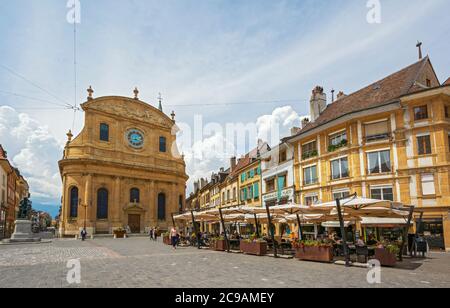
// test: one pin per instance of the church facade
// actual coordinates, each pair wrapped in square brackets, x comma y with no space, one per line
[123,169]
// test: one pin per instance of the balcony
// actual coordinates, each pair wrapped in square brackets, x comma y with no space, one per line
[334,147]
[308,155]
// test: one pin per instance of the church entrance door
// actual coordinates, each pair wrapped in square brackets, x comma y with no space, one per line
[134,221]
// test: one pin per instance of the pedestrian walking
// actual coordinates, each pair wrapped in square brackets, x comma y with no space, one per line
[83,235]
[174,237]
[155,234]
[151,234]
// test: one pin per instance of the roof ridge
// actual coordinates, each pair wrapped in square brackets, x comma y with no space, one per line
[384,78]
[418,72]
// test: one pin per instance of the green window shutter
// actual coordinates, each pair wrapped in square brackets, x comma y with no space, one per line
[252,173]
[245,193]
[259,170]
[256,190]
[280,186]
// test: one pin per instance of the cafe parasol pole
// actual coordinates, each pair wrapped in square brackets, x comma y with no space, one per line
[272,233]
[300,231]
[344,235]
[195,229]
[256,224]
[224,230]
[405,232]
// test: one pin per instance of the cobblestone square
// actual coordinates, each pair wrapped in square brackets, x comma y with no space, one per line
[139,262]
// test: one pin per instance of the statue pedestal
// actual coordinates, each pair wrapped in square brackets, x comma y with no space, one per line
[22,232]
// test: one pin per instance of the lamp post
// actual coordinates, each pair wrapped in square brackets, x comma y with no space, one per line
[85,206]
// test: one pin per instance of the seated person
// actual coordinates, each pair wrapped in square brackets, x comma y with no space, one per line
[372,241]
[360,243]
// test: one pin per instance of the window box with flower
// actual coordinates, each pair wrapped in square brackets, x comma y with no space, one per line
[317,251]
[254,246]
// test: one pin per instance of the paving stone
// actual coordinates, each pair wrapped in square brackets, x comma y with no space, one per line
[138,262]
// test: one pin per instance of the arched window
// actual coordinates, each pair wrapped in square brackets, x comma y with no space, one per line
[74,202]
[162,144]
[104,132]
[161,206]
[134,195]
[102,204]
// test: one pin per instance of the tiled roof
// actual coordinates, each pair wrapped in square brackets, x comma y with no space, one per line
[377,94]
[250,157]
[447,83]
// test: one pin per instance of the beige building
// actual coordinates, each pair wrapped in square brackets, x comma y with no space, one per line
[123,169]
[389,141]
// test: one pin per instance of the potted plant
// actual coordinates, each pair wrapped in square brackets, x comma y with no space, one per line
[318,251]
[218,244]
[119,233]
[254,246]
[387,253]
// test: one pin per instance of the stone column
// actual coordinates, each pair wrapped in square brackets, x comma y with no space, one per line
[64,208]
[116,207]
[152,204]
[91,213]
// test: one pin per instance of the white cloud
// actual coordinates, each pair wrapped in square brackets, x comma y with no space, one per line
[213,152]
[273,127]
[33,150]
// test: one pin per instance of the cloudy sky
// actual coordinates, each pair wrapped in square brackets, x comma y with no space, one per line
[230,61]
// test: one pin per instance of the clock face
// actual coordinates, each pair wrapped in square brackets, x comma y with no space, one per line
[135,138]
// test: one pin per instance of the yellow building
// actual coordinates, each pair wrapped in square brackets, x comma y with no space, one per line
[388,141]
[123,169]
[230,186]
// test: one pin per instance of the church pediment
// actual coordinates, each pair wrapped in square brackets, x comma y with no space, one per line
[136,207]
[130,109]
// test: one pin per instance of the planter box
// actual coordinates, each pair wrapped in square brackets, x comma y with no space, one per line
[314,253]
[254,248]
[385,257]
[218,245]
[166,240]
[120,234]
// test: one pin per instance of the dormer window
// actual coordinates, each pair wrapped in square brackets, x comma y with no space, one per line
[104,132]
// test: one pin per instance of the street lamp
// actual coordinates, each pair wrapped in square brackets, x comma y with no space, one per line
[85,211]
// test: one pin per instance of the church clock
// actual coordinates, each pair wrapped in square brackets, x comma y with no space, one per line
[135,138]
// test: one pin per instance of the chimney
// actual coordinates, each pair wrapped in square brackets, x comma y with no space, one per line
[196,186]
[202,183]
[232,163]
[318,103]
[305,121]
[340,95]
[295,130]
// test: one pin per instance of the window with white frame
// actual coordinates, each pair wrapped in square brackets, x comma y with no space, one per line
[428,188]
[382,193]
[379,162]
[338,138]
[311,199]
[339,168]
[341,194]
[310,175]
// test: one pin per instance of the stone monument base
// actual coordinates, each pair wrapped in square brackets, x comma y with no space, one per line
[22,233]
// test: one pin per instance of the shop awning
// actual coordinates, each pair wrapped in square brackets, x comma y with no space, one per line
[378,221]
[335,224]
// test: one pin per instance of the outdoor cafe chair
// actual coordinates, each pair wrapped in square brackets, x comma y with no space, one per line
[362,251]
